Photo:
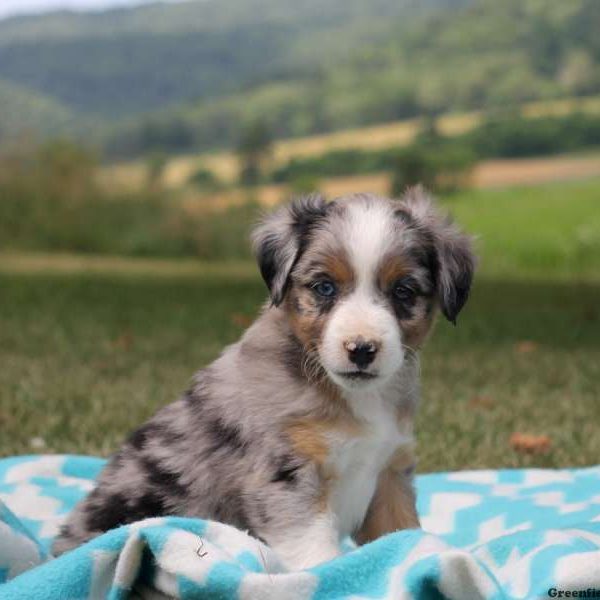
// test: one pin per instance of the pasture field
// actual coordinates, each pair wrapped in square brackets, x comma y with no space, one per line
[88,357]
[488,174]
[90,346]
[549,230]
[225,164]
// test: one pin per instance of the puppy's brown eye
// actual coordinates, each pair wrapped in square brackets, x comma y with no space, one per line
[405,290]
[325,288]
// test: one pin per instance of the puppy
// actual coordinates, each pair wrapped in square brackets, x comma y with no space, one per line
[301,433]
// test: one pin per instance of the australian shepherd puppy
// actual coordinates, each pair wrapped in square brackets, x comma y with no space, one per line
[301,432]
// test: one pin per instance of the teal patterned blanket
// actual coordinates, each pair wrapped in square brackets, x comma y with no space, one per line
[486,534]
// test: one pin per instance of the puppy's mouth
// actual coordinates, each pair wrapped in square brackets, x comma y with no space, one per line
[357,375]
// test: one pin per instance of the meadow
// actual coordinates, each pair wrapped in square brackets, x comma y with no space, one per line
[92,346]
[225,164]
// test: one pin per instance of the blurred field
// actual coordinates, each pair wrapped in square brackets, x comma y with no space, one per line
[548,231]
[531,171]
[551,230]
[91,346]
[226,165]
[88,357]
[487,174]
[62,263]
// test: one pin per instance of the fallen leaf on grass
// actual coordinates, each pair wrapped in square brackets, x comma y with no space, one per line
[529,443]
[481,402]
[526,347]
[241,320]
[124,341]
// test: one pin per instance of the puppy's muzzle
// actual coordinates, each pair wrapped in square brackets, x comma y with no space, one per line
[361,352]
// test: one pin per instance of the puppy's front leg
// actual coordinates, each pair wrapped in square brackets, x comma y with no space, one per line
[393,506]
[308,543]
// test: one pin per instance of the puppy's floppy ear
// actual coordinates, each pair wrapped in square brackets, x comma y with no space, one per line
[454,261]
[281,237]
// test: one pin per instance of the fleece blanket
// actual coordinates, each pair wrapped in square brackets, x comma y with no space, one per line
[486,534]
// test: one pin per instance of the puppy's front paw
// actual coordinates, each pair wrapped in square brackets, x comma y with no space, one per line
[306,547]
[306,556]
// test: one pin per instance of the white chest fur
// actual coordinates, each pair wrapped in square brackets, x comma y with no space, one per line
[358,460]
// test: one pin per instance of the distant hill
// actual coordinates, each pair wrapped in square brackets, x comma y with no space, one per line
[32,114]
[124,62]
[189,75]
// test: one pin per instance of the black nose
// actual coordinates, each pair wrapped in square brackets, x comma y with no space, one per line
[361,353]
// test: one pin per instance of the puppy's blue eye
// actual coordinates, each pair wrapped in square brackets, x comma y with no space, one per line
[325,288]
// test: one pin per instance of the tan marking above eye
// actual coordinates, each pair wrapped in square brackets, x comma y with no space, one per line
[392,268]
[336,266]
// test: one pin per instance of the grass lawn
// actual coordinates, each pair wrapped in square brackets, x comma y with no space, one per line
[85,359]
[551,230]
[86,356]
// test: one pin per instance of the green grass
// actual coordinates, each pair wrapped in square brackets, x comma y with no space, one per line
[91,347]
[552,230]
[85,359]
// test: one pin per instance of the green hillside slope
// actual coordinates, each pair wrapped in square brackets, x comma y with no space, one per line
[190,75]
[32,114]
[485,55]
[129,61]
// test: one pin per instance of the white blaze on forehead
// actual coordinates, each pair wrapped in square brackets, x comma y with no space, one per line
[368,231]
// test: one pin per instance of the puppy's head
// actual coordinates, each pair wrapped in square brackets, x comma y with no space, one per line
[360,278]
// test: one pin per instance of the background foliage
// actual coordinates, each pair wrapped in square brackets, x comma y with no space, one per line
[196,72]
